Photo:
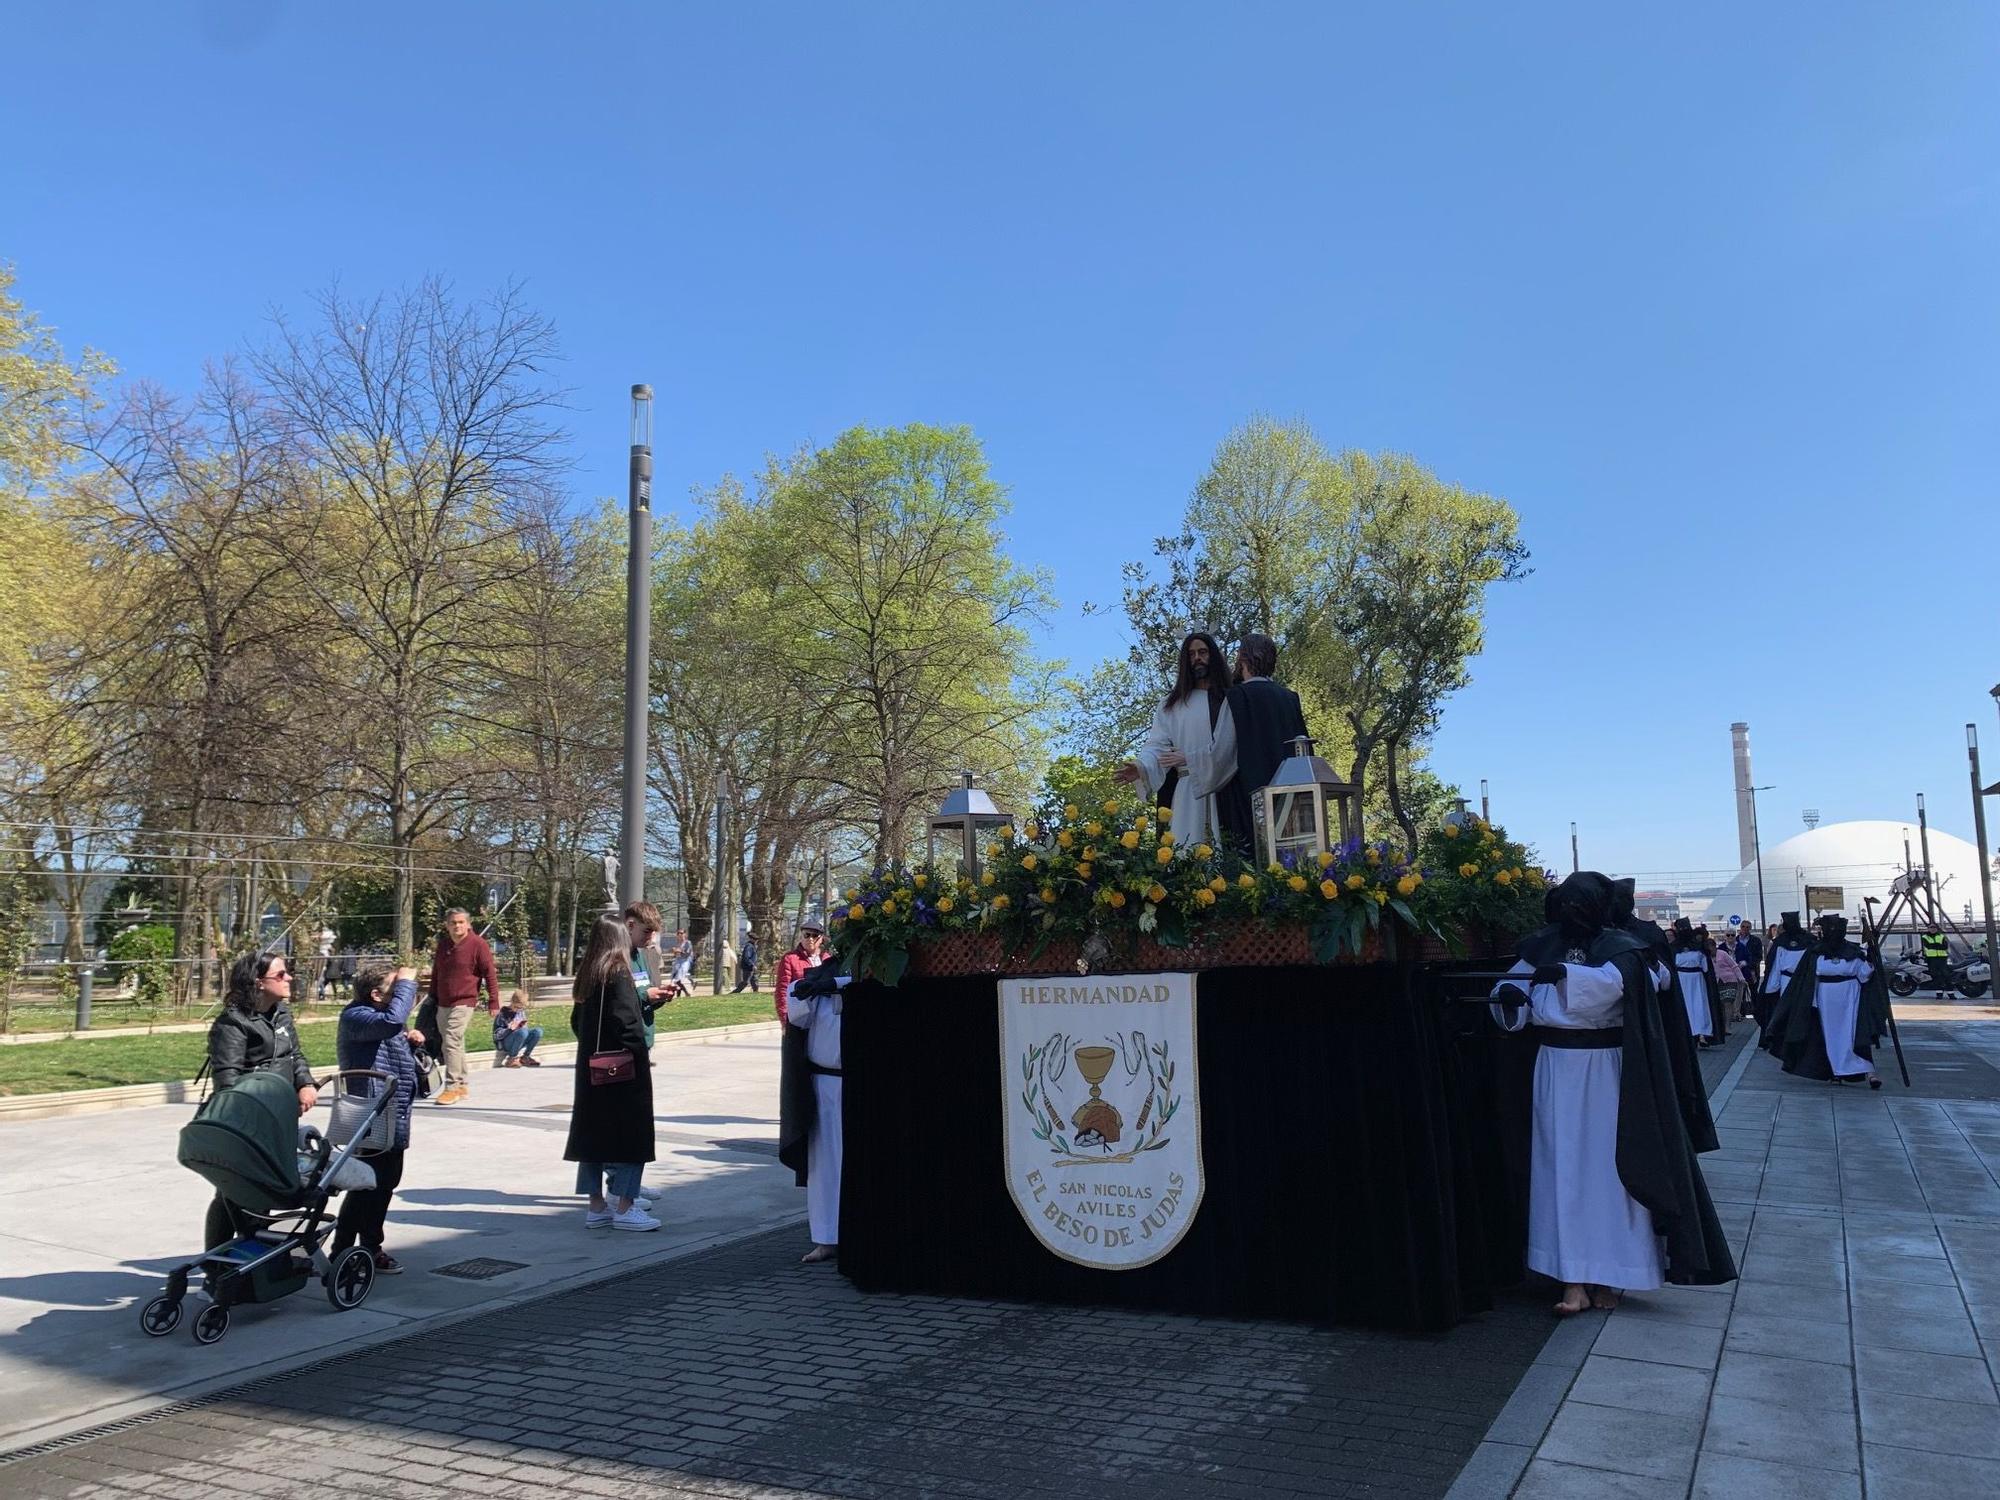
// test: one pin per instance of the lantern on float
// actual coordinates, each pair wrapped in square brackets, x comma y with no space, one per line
[1306,809]
[967,813]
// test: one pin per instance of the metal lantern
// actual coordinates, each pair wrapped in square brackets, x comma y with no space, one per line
[1306,808]
[966,814]
[1460,815]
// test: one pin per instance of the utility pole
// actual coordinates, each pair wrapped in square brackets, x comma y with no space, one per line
[1757,853]
[721,872]
[1924,844]
[638,648]
[1979,796]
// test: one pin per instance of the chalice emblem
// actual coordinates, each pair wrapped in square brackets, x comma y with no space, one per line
[1096,1121]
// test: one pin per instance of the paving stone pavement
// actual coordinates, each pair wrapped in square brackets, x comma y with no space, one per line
[1856,1356]
[737,1373]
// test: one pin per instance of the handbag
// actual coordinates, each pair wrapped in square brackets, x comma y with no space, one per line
[609,1067]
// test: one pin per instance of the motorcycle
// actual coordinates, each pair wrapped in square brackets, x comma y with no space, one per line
[1971,977]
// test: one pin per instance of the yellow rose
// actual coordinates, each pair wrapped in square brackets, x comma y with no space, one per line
[1000,902]
[1246,880]
[1374,856]
[1115,898]
[1111,804]
[1028,861]
[1093,828]
[1503,877]
[1468,869]
[888,908]
[987,878]
[1297,882]
[920,881]
[852,893]
[1034,830]
[857,911]
[1451,830]
[1069,809]
[1065,839]
[1325,859]
[1218,885]
[1166,838]
[1156,892]
[1381,897]
[1275,868]
[1355,882]
[1083,870]
[1129,838]
[1006,830]
[1166,815]
[1406,886]
[1418,876]
[1328,889]
[1202,851]
[1049,894]
[1089,853]
[944,903]
[1163,856]
[1204,897]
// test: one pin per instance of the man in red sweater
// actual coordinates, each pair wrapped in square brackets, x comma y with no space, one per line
[461,963]
[796,962]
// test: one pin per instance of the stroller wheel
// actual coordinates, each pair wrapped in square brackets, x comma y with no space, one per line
[161,1316]
[350,1277]
[212,1324]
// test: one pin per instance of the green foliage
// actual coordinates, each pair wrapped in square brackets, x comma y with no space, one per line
[145,953]
[1481,881]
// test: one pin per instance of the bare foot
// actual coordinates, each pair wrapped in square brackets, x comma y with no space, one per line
[1605,1298]
[1574,1300]
[818,1255]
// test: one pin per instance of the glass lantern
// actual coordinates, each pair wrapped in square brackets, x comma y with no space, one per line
[1306,810]
[967,813]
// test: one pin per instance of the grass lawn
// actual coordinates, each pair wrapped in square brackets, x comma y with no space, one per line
[51,1067]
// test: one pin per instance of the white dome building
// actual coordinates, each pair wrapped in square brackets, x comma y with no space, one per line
[1862,858]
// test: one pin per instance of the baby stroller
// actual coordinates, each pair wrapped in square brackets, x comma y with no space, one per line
[279,1176]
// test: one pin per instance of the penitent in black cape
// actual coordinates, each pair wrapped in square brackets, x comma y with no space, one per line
[1681,1055]
[1268,718]
[1794,1036]
[1656,1159]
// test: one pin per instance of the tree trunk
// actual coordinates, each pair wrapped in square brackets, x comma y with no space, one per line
[1394,782]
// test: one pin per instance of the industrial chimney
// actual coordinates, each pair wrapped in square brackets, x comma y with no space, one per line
[1746,843]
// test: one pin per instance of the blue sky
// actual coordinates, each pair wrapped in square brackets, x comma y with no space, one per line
[1707,292]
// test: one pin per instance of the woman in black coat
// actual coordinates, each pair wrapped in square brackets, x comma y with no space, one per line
[610,1123]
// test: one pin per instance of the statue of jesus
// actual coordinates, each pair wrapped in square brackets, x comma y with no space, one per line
[1180,762]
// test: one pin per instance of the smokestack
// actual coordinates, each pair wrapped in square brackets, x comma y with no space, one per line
[1746,845]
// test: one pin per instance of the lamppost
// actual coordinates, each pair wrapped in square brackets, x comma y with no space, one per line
[1574,864]
[638,647]
[1979,796]
[722,873]
[1485,809]
[1757,849]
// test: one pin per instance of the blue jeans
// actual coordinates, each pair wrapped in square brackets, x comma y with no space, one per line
[519,1042]
[614,1179]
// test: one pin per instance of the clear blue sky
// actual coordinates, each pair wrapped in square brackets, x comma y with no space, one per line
[1709,293]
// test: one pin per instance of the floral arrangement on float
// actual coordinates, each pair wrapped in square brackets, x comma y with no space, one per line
[1115,886]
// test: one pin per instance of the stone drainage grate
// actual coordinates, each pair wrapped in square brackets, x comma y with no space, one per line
[479,1268]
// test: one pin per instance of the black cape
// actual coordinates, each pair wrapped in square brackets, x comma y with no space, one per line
[1682,1056]
[1268,718]
[1656,1159]
[1794,1036]
[798,1101]
[1766,1005]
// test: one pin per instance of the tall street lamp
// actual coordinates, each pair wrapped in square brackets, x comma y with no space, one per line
[1485,807]
[1573,863]
[1757,849]
[1979,796]
[638,647]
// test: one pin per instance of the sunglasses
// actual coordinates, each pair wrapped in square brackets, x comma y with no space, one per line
[278,974]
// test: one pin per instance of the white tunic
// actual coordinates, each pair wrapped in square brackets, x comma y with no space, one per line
[1583,1227]
[1837,994]
[819,1016]
[1211,761]
[1693,967]
[1783,962]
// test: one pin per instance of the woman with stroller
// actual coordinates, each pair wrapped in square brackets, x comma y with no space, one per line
[375,1033]
[254,1034]
[611,1116]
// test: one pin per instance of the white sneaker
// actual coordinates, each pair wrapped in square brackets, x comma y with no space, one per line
[636,1219]
[598,1218]
[646,1194]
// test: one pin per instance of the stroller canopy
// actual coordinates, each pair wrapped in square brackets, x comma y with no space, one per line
[245,1143]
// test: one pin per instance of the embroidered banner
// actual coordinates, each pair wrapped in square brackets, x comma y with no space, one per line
[1101,1111]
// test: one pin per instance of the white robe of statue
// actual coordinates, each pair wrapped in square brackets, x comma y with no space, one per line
[819,1015]
[1694,990]
[1837,993]
[1211,761]
[1583,1227]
